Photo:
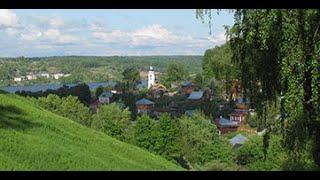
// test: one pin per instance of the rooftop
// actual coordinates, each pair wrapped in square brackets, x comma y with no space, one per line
[106,94]
[238,139]
[144,101]
[196,95]
[186,83]
[227,122]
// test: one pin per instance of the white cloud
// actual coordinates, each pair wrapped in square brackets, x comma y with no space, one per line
[31,34]
[11,31]
[56,22]
[50,36]
[218,39]
[8,19]
[96,27]
[153,33]
[57,37]
[113,36]
[156,39]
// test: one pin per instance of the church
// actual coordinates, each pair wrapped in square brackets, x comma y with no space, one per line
[151,77]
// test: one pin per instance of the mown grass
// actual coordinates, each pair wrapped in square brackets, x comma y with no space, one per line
[35,139]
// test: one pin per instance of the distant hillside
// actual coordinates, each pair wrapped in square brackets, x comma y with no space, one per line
[88,68]
[36,139]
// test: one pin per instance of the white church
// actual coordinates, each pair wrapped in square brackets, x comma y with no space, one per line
[151,77]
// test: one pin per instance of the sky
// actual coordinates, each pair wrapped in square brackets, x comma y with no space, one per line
[109,32]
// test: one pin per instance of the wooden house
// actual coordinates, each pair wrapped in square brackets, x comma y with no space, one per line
[158,90]
[238,115]
[106,97]
[226,125]
[188,87]
[144,105]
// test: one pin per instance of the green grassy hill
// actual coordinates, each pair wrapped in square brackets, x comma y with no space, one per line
[36,139]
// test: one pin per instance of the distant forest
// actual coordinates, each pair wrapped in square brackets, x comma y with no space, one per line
[87,68]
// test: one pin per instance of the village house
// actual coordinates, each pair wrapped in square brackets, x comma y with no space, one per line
[158,90]
[238,115]
[106,97]
[45,75]
[18,79]
[226,125]
[241,103]
[144,105]
[31,77]
[238,140]
[58,75]
[188,87]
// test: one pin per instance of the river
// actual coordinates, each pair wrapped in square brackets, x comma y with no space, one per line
[54,86]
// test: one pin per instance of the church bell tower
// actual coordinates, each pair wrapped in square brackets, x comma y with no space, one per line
[151,78]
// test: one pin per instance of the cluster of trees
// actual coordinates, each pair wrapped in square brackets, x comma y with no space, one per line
[194,140]
[175,72]
[69,107]
[219,69]
[277,51]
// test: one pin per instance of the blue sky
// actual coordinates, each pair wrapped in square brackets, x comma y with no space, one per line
[108,32]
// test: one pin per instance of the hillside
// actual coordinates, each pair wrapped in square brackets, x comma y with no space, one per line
[35,139]
[87,68]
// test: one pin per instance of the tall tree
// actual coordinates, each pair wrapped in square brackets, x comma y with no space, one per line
[278,53]
[131,78]
[112,120]
[175,72]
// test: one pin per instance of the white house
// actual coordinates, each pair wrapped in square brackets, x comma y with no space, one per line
[31,77]
[151,77]
[105,97]
[18,79]
[46,75]
[58,75]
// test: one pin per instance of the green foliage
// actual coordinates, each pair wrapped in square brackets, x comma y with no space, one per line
[167,136]
[251,155]
[87,68]
[278,56]
[34,139]
[269,119]
[69,107]
[217,65]
[199,80]
[200,140]
[175,72]
[112,120]
[131,78]
[143,132]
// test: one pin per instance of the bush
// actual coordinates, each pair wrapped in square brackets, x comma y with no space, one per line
[167,136]
[113,120]
[201,142]
[143,132]
[69,107]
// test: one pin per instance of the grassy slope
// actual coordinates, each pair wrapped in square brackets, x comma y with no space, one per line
[35,139]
